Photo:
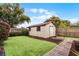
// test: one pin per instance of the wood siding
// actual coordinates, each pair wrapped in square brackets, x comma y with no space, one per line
[44,31]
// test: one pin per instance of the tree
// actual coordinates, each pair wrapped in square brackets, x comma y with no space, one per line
[59,22]
[13,14]
[55,20]
[64,24]
[77,23]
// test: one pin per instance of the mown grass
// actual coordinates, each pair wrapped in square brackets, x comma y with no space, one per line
[26,46]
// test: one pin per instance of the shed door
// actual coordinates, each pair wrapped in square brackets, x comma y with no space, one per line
[51,31]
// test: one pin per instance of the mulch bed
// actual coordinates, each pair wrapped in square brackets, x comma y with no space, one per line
[51,39]
[73,47]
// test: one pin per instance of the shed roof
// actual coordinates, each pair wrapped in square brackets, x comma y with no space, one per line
[41,24]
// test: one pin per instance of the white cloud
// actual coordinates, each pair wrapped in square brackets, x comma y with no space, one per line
[22,25]
[34,20]
[40,17]
[33,10]
[44,14]
[41,11]
[73,20]
[38,10]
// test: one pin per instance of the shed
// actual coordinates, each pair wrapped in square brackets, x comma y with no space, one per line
[43,30]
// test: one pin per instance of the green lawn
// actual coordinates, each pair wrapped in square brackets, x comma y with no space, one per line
[26,46]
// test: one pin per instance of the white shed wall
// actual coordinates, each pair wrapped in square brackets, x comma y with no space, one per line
[47,30]
[44,32]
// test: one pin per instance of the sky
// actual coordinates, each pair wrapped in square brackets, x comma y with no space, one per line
[39,12]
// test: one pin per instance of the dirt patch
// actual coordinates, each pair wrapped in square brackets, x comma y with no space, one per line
[74,50]
[51,39]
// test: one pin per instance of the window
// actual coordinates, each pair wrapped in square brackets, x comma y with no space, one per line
[38,28]
[29,29]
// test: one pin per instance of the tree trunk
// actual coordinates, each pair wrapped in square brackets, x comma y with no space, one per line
[2,51]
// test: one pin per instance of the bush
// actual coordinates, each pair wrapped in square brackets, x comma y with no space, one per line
[60,34]
[4,30]
[15,34]
[24,32]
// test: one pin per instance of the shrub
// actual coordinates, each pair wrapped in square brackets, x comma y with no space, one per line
[15,34]
[24,32]
[4,31]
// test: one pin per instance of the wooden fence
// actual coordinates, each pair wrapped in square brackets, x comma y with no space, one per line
[15,30]
[72,32]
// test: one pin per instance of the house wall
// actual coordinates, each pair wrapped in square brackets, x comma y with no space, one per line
[44,32]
